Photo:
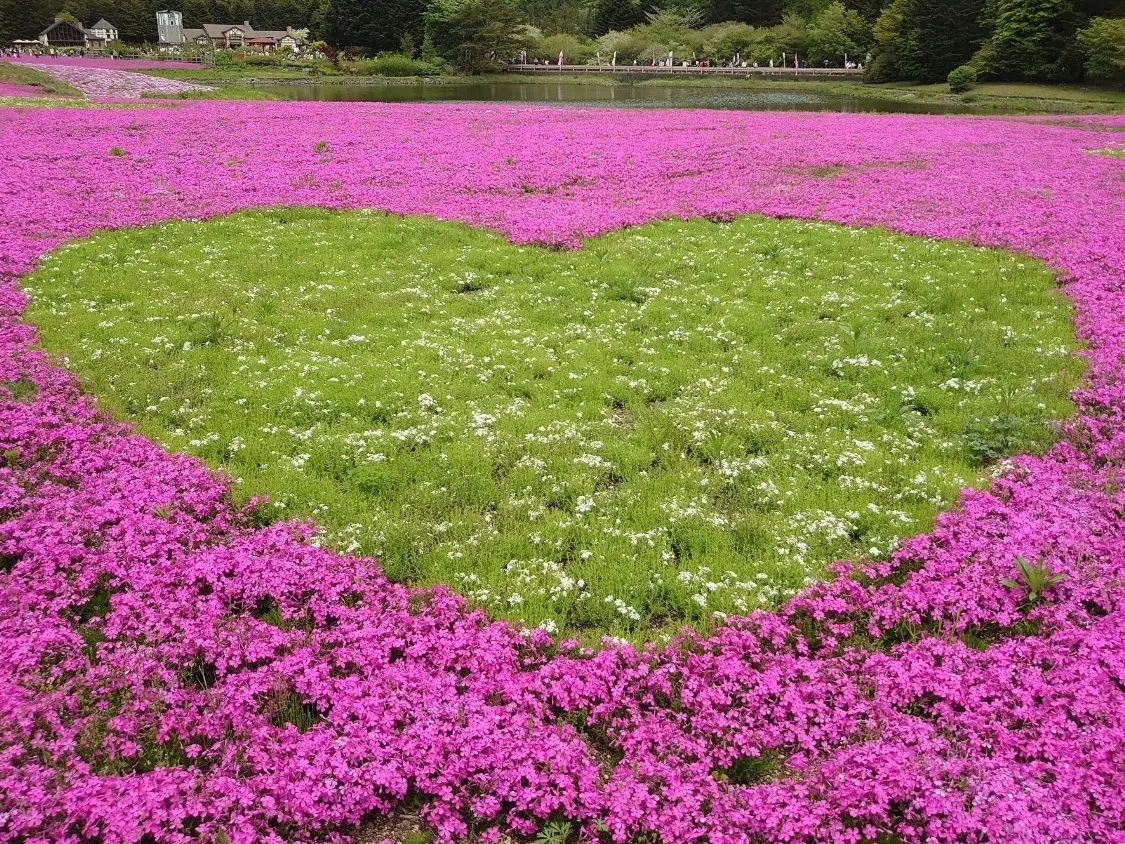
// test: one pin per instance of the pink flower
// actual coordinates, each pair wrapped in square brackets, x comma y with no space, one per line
[144,693]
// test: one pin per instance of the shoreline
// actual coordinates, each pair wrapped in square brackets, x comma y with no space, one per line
[987,98]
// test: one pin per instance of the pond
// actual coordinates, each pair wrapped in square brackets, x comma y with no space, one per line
[623,95]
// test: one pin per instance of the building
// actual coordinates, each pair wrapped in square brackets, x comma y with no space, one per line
[169,28]
[103,29]
[224,36]
[63,33]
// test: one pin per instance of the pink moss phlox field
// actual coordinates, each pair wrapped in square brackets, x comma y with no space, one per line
[15,89]
[170,669]
[108,63]
[101,82]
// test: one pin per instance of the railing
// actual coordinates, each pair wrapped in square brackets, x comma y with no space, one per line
[644,69]
[150,58]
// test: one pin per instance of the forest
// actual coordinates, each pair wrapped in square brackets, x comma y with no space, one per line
[923,40]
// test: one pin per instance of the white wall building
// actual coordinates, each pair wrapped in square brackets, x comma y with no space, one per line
[103,30]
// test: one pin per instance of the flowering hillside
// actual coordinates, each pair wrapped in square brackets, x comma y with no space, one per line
[173,668]
[113,79]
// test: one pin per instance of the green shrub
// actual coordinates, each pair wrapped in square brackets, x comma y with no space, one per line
[1103,45]
[263,59]
[428,53]
[989,440]
[961,79]
[575,50]
[724,40]
[406,45]
[393,64]
[225,58]
[880,69]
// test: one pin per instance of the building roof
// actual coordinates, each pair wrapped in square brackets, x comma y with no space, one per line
[61,23]
[219,30]
[102,24]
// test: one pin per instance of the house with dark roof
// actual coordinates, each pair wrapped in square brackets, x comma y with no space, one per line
[63,33]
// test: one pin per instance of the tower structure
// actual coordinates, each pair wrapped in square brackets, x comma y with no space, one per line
[170,27]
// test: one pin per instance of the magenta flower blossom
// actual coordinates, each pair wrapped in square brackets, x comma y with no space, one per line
[15,89]
[97,80]
[108,63]
[170,670]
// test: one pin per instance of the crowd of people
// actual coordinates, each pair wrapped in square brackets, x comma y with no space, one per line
[670,61]
[19,51]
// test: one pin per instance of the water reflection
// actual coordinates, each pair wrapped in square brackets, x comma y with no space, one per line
[633,96]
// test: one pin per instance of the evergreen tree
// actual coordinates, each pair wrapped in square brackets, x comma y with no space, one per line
[555,16]
[476,34]
[755,12]
[1103,46]
[836,32]
[135,20]
[925,39]
[616,15]
[374,25]
[1101,8]
[868,9]
[1031,39]
[25,19]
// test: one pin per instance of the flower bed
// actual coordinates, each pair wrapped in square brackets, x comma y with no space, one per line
[107,63]
[172,669]
[14,89]
[94,79]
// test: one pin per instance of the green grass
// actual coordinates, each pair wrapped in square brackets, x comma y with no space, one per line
[679,420]
[1017,97]
[321,75]
[221,92]
[23,75]
[63,102]
[233,73]
[1026,90]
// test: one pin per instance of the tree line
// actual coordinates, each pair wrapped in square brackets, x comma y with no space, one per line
[1049,40]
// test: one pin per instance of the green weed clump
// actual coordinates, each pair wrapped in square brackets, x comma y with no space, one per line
[391,64]
[677,422]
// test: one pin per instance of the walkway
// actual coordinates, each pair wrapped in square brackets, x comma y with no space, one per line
[648,70]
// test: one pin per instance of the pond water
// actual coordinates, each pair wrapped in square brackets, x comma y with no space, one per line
[624,95]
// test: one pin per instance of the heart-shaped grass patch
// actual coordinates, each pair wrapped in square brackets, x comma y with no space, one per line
[677,421]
